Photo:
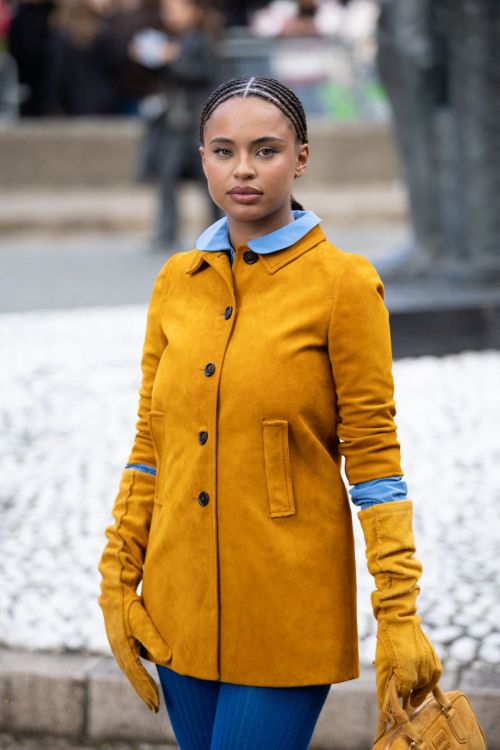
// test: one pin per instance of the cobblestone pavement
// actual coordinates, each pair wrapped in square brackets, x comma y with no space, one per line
[68,399]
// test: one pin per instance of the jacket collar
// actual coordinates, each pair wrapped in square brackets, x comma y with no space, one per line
[275,249]
[216,237]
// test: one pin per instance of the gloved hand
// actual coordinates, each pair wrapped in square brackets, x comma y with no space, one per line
[126,620]
[402,646]
[127,625]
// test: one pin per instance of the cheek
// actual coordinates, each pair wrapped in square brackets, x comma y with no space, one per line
[216,171]
[279,173]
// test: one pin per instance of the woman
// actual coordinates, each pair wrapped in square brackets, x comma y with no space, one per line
[267,358]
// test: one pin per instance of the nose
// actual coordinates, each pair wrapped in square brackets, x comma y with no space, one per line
[244,168]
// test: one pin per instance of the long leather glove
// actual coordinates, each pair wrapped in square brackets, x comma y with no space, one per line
[126,620]
[402,646]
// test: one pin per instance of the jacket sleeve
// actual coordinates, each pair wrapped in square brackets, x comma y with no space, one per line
[359,345]
[154,345]
[122,560]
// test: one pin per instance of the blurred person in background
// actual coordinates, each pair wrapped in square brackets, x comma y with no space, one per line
[5,19]
[295,18]
[136,81]
[8,69]
[170,148]
[239,12]
[85,60]
[29,44]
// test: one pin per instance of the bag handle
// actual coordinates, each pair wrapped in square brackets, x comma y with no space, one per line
[392,712]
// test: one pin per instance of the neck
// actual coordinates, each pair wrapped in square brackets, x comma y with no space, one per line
[242,232]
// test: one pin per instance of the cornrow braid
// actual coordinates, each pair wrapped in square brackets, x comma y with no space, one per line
[269,89]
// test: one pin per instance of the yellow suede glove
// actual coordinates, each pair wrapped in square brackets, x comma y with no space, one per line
[126,620]
[127,625]
[402,646]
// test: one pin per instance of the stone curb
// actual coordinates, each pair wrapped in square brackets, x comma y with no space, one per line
[87,699]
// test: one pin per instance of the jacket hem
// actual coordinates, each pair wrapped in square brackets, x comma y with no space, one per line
[332,679]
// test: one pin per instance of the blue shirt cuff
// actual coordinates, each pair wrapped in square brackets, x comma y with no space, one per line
[142,467]
[386,490]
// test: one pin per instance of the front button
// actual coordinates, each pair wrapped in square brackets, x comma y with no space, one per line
[209,369]
[203,437]
[228,312]
[250,257]
[203,498]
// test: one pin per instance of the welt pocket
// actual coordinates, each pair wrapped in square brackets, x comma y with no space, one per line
[277,462]
[156,421]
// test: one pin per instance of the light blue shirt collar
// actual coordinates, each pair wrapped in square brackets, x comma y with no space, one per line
[216,237]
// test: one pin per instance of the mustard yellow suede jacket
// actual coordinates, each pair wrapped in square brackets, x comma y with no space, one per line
[256,381]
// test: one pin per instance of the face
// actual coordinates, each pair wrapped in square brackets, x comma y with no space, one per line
[180,16]
[100,7]
[251,157]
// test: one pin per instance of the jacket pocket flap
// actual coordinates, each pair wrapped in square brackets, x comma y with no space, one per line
[277,462]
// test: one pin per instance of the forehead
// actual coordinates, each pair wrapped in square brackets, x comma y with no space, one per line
[248,118]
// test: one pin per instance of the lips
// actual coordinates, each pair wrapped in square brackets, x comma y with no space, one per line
[240,190]
[245,194]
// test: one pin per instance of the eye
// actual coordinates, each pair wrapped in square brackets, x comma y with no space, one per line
[220,150]
[270,151]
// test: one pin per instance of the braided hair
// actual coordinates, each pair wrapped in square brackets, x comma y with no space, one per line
[269,89]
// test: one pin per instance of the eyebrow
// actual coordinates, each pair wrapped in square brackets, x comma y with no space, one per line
[263,139]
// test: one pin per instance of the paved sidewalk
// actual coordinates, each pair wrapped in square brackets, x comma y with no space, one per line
[8,742]
[89,700]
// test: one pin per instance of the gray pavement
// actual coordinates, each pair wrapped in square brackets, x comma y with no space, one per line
[43,270]
[51,270]
[8,742]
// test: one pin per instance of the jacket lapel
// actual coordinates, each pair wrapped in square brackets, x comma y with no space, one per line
[274,261]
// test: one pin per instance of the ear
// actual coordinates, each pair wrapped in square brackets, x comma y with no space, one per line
[302,159]
[202,152]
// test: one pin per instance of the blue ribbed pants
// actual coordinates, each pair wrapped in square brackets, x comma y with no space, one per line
[212,715]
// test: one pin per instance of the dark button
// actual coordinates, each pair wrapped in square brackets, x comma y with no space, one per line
[203,437]
[209,369]
[228,312]
[203,498]
[250,257]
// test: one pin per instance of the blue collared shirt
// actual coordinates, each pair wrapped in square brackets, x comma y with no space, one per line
[216,239]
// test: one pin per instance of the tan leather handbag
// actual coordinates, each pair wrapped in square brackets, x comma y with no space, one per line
[444,721]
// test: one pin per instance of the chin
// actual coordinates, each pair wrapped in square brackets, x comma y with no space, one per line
[245,213]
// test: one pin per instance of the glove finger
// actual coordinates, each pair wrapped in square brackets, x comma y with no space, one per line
[437,667]
[144,630]
[383,672]
[140,679]
[420,692]
[430,676]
